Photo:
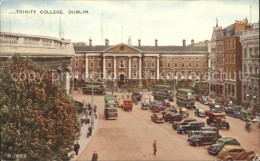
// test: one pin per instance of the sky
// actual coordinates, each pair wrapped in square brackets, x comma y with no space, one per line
[169,21]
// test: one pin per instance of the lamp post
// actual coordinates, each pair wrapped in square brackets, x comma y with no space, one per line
[92,108]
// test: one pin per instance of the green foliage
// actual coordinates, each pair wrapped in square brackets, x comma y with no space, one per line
[37,117]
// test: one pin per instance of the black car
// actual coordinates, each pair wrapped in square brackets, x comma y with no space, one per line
[144,106]
[205,137]
[207,128]
[175,117]
[195,125]
[233,111]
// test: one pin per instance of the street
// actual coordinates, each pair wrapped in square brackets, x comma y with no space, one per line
[131,136]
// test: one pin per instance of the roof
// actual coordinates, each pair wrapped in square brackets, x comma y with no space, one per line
[163,86]
[186,90]
[189,118]
[233,146]
[100,48]
[227,139]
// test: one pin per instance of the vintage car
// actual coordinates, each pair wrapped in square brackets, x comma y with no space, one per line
[136,96]
[199,112]
[175,117]
[185,121]
[166,114]
[195,125]
[214,149]
[233,111]
[247,115]
[155,105]
[235,152]
[205,137]
[183,112]
[171,110]
[144,106]
[197,132]
[157,117]
[160,108]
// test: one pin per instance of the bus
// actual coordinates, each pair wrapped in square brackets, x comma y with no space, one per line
[185,98]
[201,87]
[110,109]
[98,88]
[161,92]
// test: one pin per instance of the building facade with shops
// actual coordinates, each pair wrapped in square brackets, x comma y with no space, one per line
[250,66]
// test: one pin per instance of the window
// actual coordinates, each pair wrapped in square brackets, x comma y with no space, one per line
[83,58]
[182,59]
[234,59]
[109,65]
[183,65]
[197,59]
[190,73]
[91,58]
[197,73]
[169,65]
[91,65]
[153,58]
[205,65]
[99,64]
[134,73]
[153,65]
[77,64]
[161,65]
[99,58]
[77,58]
[175,58]
[144,58]
[122,63]
[230,59]
[197,65]
[109,58]
[145,65]
[176,65]
[204,59]
[153,74]
[245,53]
[169,58]
[190,58]
[135,65]
[190,65]
[161,58]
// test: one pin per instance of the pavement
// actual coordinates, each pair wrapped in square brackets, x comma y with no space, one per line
[83,139]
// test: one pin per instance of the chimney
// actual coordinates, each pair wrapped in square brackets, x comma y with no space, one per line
[192,42]
[183,42]
[156,42]
[107,42]
[139,42]
[90,42]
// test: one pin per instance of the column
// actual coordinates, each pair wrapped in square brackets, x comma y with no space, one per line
[158,67]
[115,67]
[68,82]
[140,68]
[104,67]
[86,67]
[129,67]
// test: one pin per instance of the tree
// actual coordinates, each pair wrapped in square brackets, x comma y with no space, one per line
[38,119]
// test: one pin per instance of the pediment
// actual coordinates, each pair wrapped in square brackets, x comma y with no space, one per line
[122,48]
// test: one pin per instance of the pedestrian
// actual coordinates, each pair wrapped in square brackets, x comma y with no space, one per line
[89,107]
[89,131]
[154,147]
[94,156]
[76,148]
[86,113]
[95,108]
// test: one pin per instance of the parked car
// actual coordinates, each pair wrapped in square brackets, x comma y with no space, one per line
[205,137]
[235,152]
[233,111]
[214,149]
[184,112]
[171,110]
[199,112]
[154,106]
[160,108]
[175,117]
[195,125]
[247,115]
[136,96]
[157,117]
[197,132]
[185,121]
[144,106]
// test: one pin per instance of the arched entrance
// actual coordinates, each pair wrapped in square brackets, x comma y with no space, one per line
[121,80]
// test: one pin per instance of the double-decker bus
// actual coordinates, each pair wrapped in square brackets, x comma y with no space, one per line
[185,98]
[161,92]
[98,88]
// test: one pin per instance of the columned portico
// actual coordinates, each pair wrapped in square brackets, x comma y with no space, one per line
[104,67]
[129,68]
[86,66]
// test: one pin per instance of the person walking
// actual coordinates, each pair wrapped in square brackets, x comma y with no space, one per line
[154,147]
[89,131]
[76,148]
[95,111]
[94,156]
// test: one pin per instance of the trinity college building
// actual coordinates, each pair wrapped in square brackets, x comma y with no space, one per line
[138,66]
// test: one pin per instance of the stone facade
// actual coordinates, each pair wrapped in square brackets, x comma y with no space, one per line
[46,51]
[250,67]
[139,65]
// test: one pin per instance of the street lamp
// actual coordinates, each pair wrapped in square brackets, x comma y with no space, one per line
[92,108]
